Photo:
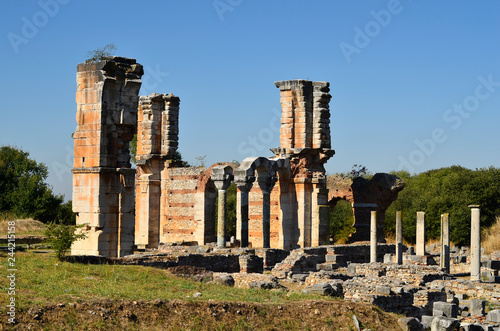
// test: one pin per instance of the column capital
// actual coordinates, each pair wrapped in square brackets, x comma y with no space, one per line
[293,84]
[266,183]
[222,177]
[244,183]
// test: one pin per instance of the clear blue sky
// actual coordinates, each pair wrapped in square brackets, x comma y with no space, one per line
[415,84]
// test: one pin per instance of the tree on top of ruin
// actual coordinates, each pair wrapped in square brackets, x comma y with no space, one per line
[101,53]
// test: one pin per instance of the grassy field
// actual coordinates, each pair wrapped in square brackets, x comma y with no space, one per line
[60,295]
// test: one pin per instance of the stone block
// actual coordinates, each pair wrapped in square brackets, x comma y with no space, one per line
[383,290]
[351,269]
[444,324]
[326,289]
[449,309]
[337,258]
[388,258]
[477,307]
[437,312]
[263,284]
[491,264]
[224,279]
[427,319]
[300,277]
[493,316]
[410,324]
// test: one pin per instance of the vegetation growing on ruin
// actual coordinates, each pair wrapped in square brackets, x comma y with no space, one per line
[100,53]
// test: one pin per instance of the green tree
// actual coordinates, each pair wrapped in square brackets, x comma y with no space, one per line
[100,53]
[341,221]
[23,190]
[446,190]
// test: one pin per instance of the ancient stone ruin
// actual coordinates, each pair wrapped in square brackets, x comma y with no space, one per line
[375,194]
[282,201]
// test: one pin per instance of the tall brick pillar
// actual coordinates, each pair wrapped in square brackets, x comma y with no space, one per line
[103,181]
[305,140]
[157,141]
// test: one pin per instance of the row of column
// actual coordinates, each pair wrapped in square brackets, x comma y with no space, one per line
[222,177]
[475,242]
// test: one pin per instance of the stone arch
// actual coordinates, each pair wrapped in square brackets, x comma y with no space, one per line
[254,209]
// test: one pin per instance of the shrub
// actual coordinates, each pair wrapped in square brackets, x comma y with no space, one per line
[62,237]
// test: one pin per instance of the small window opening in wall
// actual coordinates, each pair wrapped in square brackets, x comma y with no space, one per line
[83,161]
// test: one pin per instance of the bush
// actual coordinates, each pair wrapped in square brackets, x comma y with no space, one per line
[62,236]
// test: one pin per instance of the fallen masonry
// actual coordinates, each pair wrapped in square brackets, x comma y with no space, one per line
[414,289]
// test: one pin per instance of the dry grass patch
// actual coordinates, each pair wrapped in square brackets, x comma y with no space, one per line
[24,227]
[491,238]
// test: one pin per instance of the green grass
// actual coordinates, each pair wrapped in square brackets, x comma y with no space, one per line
[42,279]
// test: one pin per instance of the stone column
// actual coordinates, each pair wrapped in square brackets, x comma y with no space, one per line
[303,193]
[244,184]
[475,243]
[320,213]
[399,239]
[373,237]
[445,243]
[242,211]
[221,220]
[222,177]
[266,184]
[420,249]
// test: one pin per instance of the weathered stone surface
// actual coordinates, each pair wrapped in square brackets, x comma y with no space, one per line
[264,284]
[493,316]
[448,309]
[410,324]
[251,263]
[164,202]
[444,324]
[103,183]
[383,290]
[426,319]
[381,191]
[477,307]
[327,289]
[491,264]
[224,279]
